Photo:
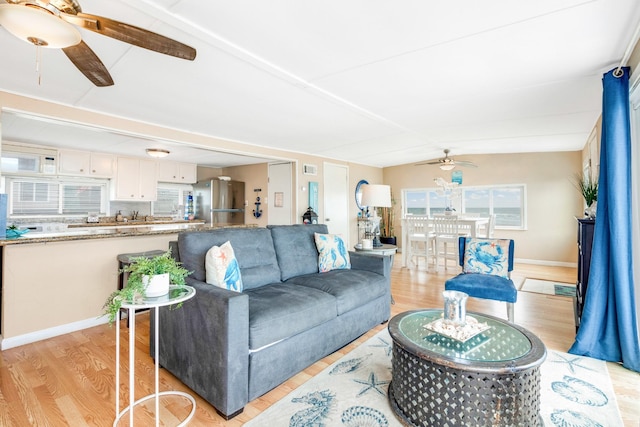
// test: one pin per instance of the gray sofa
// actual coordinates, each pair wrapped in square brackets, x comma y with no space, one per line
[232,347]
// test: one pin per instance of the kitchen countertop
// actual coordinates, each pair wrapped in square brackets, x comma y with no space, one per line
[141,229]
[130,223]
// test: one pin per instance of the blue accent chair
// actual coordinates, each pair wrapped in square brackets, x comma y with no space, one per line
[485,286]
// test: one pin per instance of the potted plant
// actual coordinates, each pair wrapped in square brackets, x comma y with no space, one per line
[386,224]
[148,277]
[589,189]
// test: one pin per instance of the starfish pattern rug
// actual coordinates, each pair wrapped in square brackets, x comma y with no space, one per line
[576,391]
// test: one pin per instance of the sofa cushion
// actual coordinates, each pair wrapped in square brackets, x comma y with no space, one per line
[296,248]
[486,286]
[281,310]
[332,253]
[253,248]
[351,288]
[222,268]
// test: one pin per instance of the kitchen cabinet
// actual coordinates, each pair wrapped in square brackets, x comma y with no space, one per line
[84,163]
[585,241]
[184,173]
[136,180]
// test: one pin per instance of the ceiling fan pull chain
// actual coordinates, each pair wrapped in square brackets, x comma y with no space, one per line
[39,64]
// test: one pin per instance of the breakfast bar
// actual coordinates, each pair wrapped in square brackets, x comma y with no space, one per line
[57,283]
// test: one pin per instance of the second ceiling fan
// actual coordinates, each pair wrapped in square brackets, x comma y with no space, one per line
[447,163]
[51,23]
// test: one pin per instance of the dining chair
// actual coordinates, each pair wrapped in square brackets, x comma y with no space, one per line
[446,230]
[490,227]
[420,239]
[486,271]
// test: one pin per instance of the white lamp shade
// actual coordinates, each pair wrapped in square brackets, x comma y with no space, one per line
[447,166]
[376,195]
[36,26]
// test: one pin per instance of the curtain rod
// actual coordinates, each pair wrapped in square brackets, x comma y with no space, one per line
[628,51]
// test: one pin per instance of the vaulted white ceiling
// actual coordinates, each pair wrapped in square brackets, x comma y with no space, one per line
[368,81]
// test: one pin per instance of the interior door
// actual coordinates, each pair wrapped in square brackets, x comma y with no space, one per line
[336,199]
[280,207]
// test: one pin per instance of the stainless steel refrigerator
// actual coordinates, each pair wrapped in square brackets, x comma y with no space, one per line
[219,202]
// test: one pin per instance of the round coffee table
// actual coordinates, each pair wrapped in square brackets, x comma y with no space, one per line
[491,379]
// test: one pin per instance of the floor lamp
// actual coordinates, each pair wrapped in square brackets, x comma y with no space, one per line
[376,196]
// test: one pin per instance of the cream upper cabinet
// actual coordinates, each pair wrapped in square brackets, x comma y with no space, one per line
[84,163]
[103,164]
[185,173]
[136,179]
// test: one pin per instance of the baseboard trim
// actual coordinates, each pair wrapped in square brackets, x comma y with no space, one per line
[546,262]
[538,262]
[7,343]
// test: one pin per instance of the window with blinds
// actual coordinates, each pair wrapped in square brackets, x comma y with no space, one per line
[170,199]
[56,197]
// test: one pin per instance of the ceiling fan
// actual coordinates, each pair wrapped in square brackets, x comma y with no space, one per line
[51,23]
[447,163]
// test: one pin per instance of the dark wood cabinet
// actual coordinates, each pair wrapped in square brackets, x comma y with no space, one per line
[585,240]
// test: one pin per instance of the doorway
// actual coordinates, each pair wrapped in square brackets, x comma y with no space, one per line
[280,207]
[336,199]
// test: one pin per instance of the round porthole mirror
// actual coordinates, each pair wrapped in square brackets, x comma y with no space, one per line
[359,193]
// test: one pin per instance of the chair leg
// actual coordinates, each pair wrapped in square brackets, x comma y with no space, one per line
[510,307]
[431,252]
[446,254]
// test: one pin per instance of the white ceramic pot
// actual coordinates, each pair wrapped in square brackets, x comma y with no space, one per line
[591,210]
[157,285]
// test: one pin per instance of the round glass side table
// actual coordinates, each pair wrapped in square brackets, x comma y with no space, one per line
[176,295]
[492,378]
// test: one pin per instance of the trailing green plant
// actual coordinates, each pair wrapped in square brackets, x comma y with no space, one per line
[134,290]
[588,188]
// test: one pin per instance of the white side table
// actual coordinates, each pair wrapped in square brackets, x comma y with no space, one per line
[385,249]
[175,296]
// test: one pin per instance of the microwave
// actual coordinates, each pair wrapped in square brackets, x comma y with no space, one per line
[22,159]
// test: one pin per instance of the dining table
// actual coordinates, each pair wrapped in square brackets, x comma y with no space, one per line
[467,226]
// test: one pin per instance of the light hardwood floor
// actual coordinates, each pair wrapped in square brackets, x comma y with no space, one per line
[69,380]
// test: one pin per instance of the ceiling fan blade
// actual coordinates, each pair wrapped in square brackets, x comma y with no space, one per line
[436,162]
[465,163]
[89,64]
[131,34]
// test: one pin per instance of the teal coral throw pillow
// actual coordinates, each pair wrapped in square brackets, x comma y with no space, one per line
[486,257]
[333,254]
[222,268]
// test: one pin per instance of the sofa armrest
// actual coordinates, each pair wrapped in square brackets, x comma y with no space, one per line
[205,343]
[380,264]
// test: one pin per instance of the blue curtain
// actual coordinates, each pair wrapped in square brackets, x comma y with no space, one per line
[609,328]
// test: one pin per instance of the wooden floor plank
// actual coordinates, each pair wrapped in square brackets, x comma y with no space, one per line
[70,380]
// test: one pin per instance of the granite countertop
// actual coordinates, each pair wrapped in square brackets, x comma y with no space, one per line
[129,223]
[124,231]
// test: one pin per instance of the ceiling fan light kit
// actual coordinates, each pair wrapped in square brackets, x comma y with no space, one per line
[38,26]
[158,153]
[447,163]
[51,23]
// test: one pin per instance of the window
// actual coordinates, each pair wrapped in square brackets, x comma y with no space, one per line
[51,197]
[170,199]
[507,202]
[415,202]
